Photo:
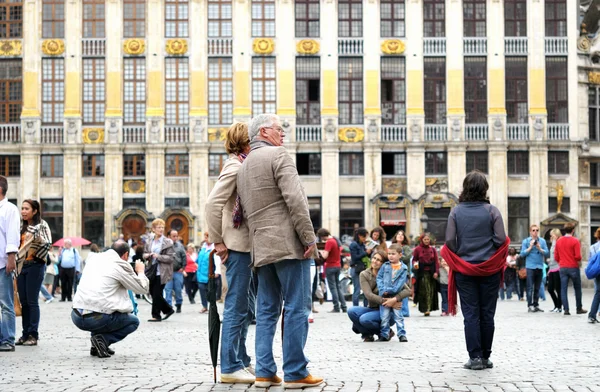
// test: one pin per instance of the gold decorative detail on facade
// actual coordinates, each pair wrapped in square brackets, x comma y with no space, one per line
[93,135]
[308,46]
[351,135]
[134,186]
[394,186]
[263,45]
[430,181]
[436,185]
[136,46]
[393,46]
[11,48]
[177,46]
[216,134]
[595,195]
[53,47]
[583,44]
[594,77]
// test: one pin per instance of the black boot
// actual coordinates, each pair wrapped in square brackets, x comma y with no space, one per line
[178,308]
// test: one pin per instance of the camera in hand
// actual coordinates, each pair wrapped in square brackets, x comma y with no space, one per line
[535,242]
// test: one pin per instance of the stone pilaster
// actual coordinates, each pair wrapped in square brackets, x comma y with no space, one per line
[457,166]
[536,64]
[72,214]
[286,67]
[330,199]
[329,73]
[114,71]
[242,61]
[538,182]
[155,79]
[113,187]
[415,111]
[30,116]
[372,81]
[155,179]
[73,75]
[197,58]
[455,69]
[495,77]
[30,173]
[199,188]
[373,180]
[498,178]
[415,169]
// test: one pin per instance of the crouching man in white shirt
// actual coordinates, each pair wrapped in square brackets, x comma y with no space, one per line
[102,305]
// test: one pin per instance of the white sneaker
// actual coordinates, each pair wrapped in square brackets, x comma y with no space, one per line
[251,370]
[49,300]
[241,376]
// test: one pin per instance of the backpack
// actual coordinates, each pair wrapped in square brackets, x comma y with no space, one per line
[592,271]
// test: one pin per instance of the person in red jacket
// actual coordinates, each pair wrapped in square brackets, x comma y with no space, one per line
[568,256]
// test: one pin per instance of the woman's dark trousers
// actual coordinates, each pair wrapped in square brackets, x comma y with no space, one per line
[28,284]
[478,299]
[67,277]
[522,288]
[554,288]
[191,286]
[159,304]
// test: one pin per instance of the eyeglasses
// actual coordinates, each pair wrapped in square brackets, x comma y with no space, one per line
[278,129]
[535,230]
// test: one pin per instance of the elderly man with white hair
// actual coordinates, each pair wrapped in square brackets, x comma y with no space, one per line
[283,242]
[69,263]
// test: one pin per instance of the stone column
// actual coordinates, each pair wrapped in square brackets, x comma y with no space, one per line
[538,182]
[197,59]
[536,63]
[498,178]
[155,179]
[373,180]
[330,200]
[242,61]
[30,116]
[286,67]
[457,166]
[372,77]
[72,190]
[575,132]
[495,77]
[455,68]
[414,69]
[114,70]
[415,180]
[155,80]
[329,72]
[113,187]
[73,75]
[30,174]
[199,188]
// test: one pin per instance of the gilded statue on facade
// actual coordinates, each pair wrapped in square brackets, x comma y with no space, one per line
[560,194]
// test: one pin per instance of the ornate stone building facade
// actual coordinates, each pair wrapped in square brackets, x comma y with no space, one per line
[112,112]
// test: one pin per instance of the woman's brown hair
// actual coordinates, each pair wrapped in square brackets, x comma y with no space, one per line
[394,239]
[236,138]
[597,234]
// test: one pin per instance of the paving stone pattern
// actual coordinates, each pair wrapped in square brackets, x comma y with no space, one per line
[543,352]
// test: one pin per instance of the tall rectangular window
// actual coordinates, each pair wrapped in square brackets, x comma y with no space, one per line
[594,112]
[219,18]
[134,165]
[476,90]
[595,174]
[11,91]
[435,90]
[11,19]
[177,80]
[558,162]
[51,165]
[93,91]
[434,18]
[515,18]
[264,91]
[308,90]
[517,162]
[308,164]
[393,90]
[176,18]
[474,18]
[307,18]
[53,90]
[393,163]
[352,214]
[134,90]
[134,18]
[516,90]
[93,165]
[352,164]
[557,97]
[177,202]
[215,164]
[555,18]
[350,90]
[93,220]
[53,215]
[93,19]
[518,218]
[436,163]
[350,18]
[220,91]
[263,18]
[53,19]
[477,160]
[393,22]
[177,164]
[10,165]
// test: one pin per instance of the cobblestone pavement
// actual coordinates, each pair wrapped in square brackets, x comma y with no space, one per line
[532,352]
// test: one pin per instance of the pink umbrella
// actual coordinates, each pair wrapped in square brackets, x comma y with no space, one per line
[76,241]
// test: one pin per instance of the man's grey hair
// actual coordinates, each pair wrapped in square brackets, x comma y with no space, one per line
[68,241]
[261,121]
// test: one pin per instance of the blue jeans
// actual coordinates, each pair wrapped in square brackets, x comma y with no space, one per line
[356,286]
[29,283]
[45,293]
[289,279]
[405,307]
[365,321]
[203,289]
[8,323]
[444,292]
[596,301]
[113,327]
[575,276]
[333,281]
[175,284]
[387,315]
[534,281]
[236,316]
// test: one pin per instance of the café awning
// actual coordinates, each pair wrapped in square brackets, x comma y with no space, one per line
[395,217]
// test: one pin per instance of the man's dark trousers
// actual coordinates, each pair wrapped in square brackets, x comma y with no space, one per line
[534,281]
[67,277]
[113,327]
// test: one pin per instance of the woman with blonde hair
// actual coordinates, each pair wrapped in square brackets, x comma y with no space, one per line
[553,278]
[160,255]
[228,231]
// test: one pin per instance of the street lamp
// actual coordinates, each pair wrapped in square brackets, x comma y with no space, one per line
[424,221]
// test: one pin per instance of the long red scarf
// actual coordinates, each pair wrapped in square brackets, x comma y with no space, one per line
[493,265]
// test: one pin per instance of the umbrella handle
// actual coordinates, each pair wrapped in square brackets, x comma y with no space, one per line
[215,374]
[211,264]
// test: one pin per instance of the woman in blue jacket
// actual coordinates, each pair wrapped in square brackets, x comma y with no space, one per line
[202,273]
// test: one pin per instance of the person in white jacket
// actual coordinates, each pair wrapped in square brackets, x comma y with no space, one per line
[102,305]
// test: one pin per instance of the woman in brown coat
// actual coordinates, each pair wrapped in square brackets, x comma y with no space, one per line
[159,250]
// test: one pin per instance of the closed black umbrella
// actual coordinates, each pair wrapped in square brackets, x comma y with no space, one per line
[214,321]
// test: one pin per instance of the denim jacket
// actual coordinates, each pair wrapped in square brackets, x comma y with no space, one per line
[385,282]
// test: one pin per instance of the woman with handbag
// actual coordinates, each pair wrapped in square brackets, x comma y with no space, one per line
[159,254]
[36,240]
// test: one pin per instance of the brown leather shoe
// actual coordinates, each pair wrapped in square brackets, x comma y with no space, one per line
[31,341]
[306,382]
[266,382]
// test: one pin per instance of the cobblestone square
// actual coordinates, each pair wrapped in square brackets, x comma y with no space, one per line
[532,352]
